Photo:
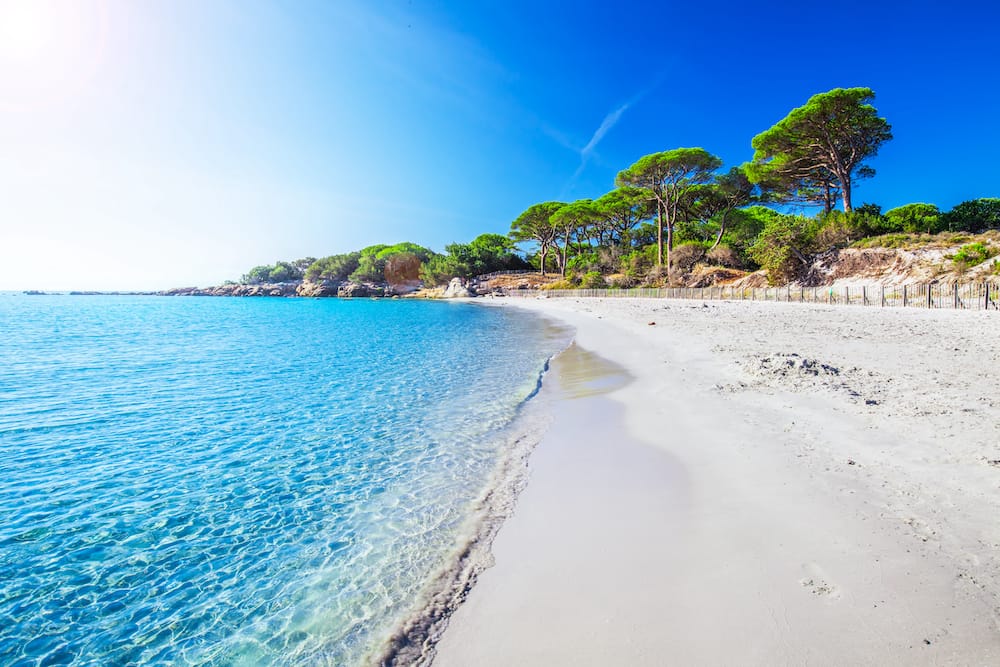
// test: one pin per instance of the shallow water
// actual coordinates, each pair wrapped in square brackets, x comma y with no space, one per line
[241,481]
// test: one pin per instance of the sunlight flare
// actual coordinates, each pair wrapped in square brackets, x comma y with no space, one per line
[48,49]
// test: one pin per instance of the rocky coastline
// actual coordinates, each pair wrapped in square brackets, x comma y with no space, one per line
[343,290]
[288,289]
[304,288]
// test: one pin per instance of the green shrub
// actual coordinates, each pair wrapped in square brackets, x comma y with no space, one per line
[593,280]
[972,254]
[560,284]
[838,230]
[584,262]
[914,218]
[639,262]
[975,215]
[783,246]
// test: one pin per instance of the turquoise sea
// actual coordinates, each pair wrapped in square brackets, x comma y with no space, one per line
[242,481]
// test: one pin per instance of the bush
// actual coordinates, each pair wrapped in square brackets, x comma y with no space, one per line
[593,280]
[584,262]
[724,255]
[837,229]
[971,255]
[914,218]
[656,275]
[685,256]
[783,245]
[638,263]
[975,215]
[620,281]
[560,284]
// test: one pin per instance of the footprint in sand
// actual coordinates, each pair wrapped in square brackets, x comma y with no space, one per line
[817,583]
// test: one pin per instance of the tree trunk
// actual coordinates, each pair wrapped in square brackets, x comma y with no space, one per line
[845,192]
[798,255]
[722,230]
[827,199]
[659,234]
[542,251]
[671,219]
[565,252]
[670,247]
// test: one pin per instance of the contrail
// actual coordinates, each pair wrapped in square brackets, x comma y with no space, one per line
[609,122]
[606,126]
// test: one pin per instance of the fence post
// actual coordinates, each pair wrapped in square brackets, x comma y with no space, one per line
[883,296]
[986,302]
[930,293]
[904,297]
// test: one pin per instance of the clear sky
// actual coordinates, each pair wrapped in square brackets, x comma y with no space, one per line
[146,145]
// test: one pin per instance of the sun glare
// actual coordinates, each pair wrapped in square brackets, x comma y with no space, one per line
[48,49]
[25,30]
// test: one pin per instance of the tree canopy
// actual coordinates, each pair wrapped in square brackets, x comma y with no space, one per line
[821,147]
[975,215]
[925,218]
[373,262]
[484,254]
[535,225]
[669,178]
[572,221]
[620,211]
[279,272]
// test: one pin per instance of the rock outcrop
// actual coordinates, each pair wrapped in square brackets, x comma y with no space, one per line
[320,289]
[355,290]
[266,289]
[456,290]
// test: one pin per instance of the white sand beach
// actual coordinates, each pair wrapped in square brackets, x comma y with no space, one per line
[753,484]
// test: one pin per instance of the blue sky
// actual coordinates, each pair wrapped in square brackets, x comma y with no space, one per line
[157,144]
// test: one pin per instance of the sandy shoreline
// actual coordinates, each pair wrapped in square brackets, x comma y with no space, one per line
[776,484]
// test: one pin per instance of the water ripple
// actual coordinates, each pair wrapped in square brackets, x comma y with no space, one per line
[221,481]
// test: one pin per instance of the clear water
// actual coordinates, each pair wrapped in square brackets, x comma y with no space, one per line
[240,481]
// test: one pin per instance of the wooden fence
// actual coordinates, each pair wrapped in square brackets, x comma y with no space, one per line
[970,296]
[496,274]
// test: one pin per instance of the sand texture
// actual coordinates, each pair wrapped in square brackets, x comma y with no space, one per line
[753,484]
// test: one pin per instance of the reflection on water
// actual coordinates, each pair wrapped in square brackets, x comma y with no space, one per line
[583,373]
